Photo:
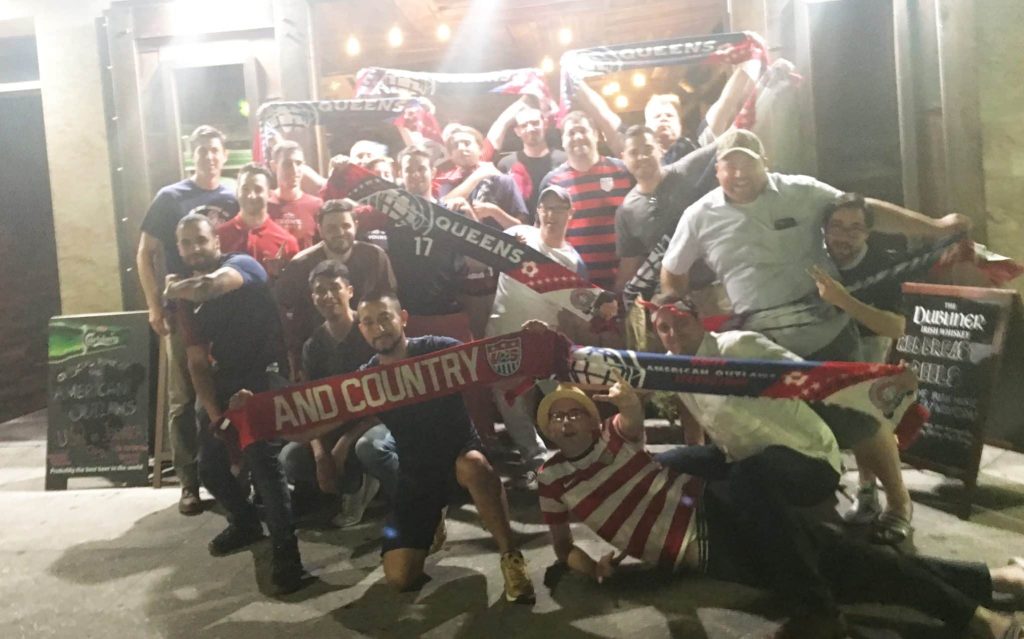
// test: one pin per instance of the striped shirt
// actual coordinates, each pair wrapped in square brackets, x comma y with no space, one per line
[596,194]
[624,496]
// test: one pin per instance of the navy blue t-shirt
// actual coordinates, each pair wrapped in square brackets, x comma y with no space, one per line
[430,435]
[174,202]
[242,329]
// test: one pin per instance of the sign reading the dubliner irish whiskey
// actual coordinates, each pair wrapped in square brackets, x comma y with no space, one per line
[954,342]
[98,398]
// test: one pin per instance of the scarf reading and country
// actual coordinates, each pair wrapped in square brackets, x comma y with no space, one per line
[303,411]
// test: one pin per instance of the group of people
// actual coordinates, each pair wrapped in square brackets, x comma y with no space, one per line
[284,279]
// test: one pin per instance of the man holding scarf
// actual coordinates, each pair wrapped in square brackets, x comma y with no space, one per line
[440,458]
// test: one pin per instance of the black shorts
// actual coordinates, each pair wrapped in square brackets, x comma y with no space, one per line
[420,497]
[849,426]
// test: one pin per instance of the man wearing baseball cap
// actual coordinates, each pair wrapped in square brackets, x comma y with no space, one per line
[515,303]
[761,234]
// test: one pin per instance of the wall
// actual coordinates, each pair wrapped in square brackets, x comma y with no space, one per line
[1001,98]
[77,149]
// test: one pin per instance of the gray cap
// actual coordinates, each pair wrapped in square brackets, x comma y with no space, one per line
[740,140]
[560,191]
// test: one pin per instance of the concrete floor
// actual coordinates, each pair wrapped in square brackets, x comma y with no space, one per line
[120,562]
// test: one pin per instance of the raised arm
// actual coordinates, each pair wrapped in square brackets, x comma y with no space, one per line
[884,323]
[892,218]
[496,134]
[631,410]
[204,287]
[608,122]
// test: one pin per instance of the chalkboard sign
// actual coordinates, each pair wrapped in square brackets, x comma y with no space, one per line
[98,398]
[954,342]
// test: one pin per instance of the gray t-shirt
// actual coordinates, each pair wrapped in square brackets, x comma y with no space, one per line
[762,251]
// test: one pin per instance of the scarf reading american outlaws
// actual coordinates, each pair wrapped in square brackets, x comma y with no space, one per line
[306,410]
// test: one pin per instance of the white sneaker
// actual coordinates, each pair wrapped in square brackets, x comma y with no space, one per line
[353,505]
[866,506]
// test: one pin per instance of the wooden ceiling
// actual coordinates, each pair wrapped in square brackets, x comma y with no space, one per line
[495,34]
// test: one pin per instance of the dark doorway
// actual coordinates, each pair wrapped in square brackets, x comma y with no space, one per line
[29,286]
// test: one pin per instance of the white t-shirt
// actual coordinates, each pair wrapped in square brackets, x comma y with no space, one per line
[744,426]
[514,302]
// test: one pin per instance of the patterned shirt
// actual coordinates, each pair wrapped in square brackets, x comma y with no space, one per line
[624,496]
[596,194]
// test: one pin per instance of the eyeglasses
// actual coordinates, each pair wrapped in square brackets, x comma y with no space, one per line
[571,416]
[839,229]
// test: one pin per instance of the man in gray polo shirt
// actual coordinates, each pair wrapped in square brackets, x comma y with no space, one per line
[760,232]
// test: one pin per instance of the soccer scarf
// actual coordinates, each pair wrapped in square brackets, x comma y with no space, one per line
[306,410]
[501,251]
[647,279]
[378,81]
[279,118]
[303,411]
[580,64]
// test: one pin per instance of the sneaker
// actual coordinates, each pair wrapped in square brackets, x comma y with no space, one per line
[518,587]
[440,534]
[353,505]
[527,481]
[189,504]
[234,538]
[287,573]
[866,506]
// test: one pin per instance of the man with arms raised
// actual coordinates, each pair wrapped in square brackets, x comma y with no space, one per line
[597,186]
[536,159]
[232,334]
[158,255]
[440,456]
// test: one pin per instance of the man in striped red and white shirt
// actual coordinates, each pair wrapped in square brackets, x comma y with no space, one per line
[598,184]
[603,477]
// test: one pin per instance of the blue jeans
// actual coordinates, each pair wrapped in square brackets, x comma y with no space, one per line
[378,454]
[261,460]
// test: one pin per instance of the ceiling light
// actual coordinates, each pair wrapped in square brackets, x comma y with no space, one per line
[611,88]
[621,102]
[547,65]
[639,80]
[352,46]
[395,37]
[444,32]
[565,36]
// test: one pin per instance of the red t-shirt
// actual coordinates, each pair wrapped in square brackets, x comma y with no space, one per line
[271,245]
[297,216]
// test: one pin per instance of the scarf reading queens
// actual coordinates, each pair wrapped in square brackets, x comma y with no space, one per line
[555,283]
[279,118]
[307,410]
